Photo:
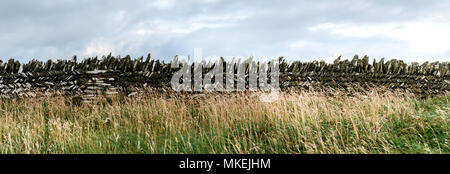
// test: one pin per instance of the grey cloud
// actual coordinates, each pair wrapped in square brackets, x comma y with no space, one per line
[59,29]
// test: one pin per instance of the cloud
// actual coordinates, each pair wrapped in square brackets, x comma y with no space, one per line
[163,4]
[421,36]
[187,26]
[297,29]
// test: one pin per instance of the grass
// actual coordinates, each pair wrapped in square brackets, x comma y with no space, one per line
[299,122]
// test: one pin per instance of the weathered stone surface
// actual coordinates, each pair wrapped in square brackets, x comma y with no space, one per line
[112,75]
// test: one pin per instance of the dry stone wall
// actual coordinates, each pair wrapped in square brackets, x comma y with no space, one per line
[117,75]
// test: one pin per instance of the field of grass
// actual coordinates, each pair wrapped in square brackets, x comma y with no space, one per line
[299,122]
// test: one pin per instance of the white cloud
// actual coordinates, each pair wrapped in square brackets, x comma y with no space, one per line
[210,1]
[163,4]
[421,36]
[193,24]
[160,31]
[98,47]
[299,44]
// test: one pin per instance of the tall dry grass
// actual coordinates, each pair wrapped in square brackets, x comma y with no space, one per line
[299,122]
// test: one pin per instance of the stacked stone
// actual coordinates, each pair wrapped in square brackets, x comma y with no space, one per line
[111,75]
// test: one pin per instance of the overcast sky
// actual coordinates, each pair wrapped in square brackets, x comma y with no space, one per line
[413,30]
